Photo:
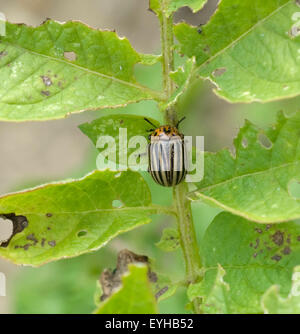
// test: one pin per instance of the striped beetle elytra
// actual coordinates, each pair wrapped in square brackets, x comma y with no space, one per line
[167,156]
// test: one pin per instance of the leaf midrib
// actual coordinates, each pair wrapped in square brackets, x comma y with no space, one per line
[244,175]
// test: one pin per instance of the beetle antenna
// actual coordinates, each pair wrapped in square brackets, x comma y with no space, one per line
[182,119]
[147,120]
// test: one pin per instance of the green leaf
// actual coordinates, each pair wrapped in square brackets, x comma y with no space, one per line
[256,182]
[273,303]
[134,297]
[254,256]
[213,301]
[249,49]
[110,126]
[169,241]
[168,7]
[183,78]
[55,69]
[67,219]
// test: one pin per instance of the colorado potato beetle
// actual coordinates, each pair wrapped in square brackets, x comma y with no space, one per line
[166,153]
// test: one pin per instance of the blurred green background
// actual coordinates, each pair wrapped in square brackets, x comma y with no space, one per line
[34,153]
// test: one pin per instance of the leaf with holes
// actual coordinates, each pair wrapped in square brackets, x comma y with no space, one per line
[273,303]
[70,218]
[134,296]
[254,258]
[130,134]
[170,6]
[256,182]
[214,300]
[55,69]
[238,50]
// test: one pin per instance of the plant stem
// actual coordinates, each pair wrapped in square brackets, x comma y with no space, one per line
[188,238]
[167,41]
[186,229]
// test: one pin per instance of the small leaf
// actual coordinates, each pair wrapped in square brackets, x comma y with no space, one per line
[55,69]
[215,300]
[273,303]
[255,183]
[70,218]
[169,241]
[134,297]
[254,257]
[238,49]
[170,6]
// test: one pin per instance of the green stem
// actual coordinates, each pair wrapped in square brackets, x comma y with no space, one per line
[186,228]
[188,238]
[167,42]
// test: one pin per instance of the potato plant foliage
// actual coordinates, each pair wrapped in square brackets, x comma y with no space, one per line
[248,260]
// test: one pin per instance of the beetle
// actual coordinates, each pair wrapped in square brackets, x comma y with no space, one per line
[166,154]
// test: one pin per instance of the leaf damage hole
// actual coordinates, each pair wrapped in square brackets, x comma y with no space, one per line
[81,233]
[19,224]
[294,189]
[46,80]
[295,31]
[219,71]
[245,142]
[6,229]
[70,55]
[264,141]
[117,203]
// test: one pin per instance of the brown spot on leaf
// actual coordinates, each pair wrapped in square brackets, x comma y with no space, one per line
[26,247]
[219,71]
[278,238]
[256,243]
[49,215]
[52,243]
[32,237]
[276,257]
[206,49]
[43,242]
[268,226]
[258,230]
[45,92]
[298,238]
[286,251]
